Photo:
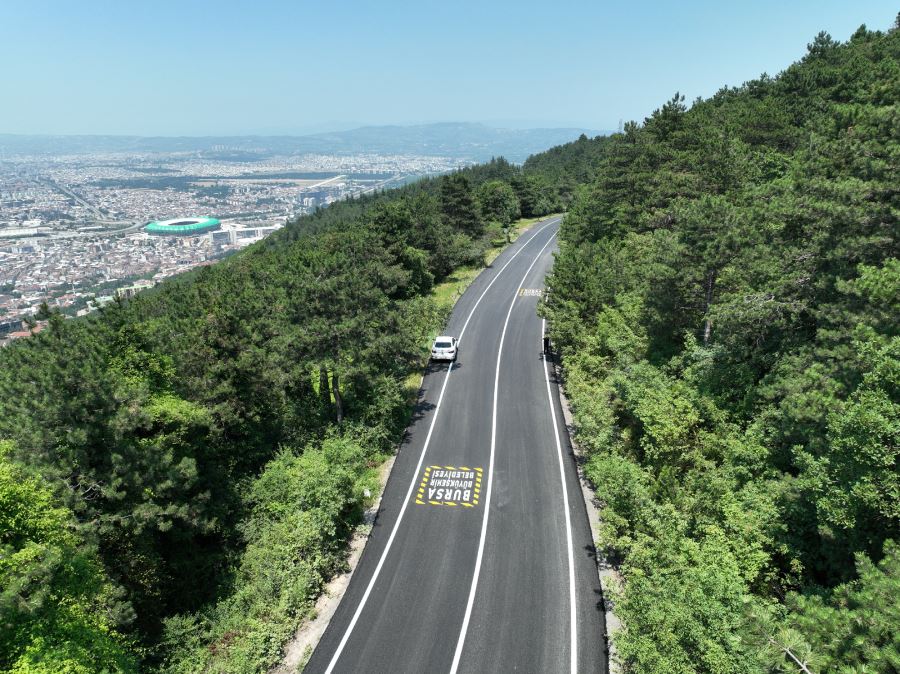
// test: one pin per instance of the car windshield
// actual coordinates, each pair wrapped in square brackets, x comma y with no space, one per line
[442,345]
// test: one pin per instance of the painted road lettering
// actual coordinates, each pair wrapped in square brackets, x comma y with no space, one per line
[450,486]
[530,292]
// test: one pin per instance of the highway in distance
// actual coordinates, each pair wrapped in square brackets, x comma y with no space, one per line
[481,558]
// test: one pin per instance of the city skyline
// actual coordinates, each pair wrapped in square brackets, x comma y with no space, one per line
[73,227]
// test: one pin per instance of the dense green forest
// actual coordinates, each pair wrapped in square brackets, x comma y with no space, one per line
[725,301]
[180,473]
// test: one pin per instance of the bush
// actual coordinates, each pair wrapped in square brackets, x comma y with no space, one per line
[302,509]
[55,601]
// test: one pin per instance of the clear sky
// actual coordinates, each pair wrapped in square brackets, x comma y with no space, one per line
[195,67]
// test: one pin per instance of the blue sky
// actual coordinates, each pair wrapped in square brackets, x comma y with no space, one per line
[271,66]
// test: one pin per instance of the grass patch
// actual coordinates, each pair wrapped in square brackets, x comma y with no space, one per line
[451,289]
[515,231]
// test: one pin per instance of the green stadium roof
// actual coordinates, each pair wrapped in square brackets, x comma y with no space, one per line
[182,226]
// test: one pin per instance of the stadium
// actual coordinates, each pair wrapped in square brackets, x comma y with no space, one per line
[182,226]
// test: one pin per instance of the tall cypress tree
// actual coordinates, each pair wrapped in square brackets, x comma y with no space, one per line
[458,205]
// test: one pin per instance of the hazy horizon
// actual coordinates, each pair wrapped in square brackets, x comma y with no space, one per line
[463,141]
[329,129]
[280,68]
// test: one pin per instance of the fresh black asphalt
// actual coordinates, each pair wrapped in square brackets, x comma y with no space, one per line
[412,618]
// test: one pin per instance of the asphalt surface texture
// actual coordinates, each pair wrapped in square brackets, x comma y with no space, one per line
[481,557]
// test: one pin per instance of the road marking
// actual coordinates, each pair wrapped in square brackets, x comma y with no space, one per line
[530,292]
[490,480]
[471,313]
[573,631]
[412,484]
[450,486]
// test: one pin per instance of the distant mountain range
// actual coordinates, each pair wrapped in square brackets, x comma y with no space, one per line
[466,141]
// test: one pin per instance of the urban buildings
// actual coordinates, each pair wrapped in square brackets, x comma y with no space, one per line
[73,228]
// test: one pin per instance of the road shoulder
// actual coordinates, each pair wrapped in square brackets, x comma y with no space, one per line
[610,578]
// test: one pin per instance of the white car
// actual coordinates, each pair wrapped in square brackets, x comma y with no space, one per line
[444,348]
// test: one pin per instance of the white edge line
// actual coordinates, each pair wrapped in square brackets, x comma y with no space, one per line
[480,297]
[487,501]
[573,648]
[412,485]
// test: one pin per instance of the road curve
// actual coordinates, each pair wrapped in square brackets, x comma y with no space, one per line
[481,557]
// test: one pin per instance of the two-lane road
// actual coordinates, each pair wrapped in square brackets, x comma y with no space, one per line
[481,559]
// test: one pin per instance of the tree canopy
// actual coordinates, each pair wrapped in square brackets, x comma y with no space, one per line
[725,303]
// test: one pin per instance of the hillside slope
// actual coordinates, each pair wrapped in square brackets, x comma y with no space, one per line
[726,303]
[209,445]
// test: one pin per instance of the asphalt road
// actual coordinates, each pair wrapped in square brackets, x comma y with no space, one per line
[481,558]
